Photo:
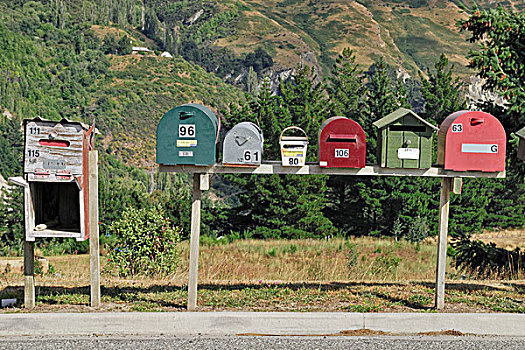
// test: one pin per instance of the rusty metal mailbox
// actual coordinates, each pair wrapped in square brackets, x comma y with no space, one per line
[342,144]
[404,140]
[471,141]
[56,202]
[188,134]
[521,148]
[243,145]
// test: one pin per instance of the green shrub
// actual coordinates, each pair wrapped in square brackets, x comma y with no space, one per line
[418,230]
[146,244]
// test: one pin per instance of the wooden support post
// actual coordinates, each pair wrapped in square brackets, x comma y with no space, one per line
[29,274]
[444,204]
[194,241]
[94,251]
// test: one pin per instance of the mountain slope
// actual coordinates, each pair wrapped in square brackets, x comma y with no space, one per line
[411,34]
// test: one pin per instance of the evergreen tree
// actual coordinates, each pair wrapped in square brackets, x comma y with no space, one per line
[347,92]
[307,104]
[124,46]
[441,92]
[281,206]
[110,45]
[251,81]
[346,88]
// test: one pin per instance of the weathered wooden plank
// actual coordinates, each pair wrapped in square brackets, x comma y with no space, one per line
[275,167]
[94,248]
[395,141]
[413,138]
[444,204]
[194,242]
[205,182]
[53,158]
[55,233]
[29,274]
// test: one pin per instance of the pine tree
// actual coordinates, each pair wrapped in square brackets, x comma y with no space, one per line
[251,81]
[280,206]
[441,92]
[346,88]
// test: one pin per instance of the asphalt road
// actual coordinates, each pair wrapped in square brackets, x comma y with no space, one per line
[254,342]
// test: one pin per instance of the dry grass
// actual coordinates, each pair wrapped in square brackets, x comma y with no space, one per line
[316,260]
[359,275]
[508,239]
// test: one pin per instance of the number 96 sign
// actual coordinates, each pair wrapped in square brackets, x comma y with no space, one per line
[186,130]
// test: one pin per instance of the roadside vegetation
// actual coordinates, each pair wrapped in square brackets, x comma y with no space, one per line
[358,275]
[62,62]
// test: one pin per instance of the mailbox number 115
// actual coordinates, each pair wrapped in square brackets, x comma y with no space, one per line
[186,130]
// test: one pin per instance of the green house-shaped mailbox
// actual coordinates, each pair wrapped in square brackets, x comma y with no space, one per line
[188,134]
[404,140]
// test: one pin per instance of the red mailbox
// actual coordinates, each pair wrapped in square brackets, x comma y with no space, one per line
[342,144]
[469,140]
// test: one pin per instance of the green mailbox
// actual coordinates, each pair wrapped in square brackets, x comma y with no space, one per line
[404,140]
[188,134]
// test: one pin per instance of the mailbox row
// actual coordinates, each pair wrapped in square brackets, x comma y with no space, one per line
[467,141]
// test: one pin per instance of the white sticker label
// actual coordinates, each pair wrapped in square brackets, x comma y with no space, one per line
[478,148]
[250,156]
[186,130]
[295,161]
[185,153]
[342,153]
[323,163]
[457,127]
[408,153]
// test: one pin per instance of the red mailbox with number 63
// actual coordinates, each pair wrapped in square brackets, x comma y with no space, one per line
[471,141]
[342,144]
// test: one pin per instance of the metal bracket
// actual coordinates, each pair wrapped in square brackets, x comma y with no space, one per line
[205,182]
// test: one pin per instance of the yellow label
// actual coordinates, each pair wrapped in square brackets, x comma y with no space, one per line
[292,154]
[186,143]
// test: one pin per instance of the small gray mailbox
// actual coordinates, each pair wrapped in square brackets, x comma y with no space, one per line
[243,145]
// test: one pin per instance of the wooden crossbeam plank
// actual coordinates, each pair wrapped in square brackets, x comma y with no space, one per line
[315,169]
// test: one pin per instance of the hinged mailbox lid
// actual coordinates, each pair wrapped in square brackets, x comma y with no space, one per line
[243,145]
[188,134]
[52,147]
[342,144]
[472,141]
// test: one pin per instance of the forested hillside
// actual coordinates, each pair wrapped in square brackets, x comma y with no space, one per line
[73,59]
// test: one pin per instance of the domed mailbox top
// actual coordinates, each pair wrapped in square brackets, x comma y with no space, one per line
[243,145]
[471,141]
[188,134]
[342,144]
